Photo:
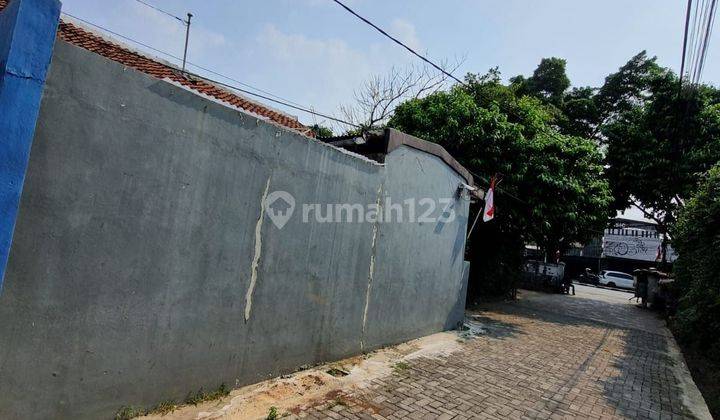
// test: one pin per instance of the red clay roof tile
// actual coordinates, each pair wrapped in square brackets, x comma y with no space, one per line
[75,35]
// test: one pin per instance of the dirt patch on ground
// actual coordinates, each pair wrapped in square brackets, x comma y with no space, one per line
[330,384]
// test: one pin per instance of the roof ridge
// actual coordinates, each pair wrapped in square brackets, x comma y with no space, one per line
[80,36]
[109,48]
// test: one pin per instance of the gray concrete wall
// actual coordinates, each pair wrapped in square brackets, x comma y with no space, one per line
[138,232]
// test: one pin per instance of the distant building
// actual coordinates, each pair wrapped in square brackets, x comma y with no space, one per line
[629,243]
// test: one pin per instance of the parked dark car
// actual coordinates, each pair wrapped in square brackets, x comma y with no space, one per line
[588,277]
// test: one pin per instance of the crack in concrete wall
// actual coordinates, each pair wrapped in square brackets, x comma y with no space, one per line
[371,271]
[258,252]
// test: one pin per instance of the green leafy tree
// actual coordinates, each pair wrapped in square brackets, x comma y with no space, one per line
[550,79]
[580,113]
[573,112]
[321,131]
[658,145]
[657,138]
[565,190]
[627,88]
[552,192]
[696,238]
[584,111]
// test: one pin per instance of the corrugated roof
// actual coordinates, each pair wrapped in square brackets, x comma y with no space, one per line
[74,34]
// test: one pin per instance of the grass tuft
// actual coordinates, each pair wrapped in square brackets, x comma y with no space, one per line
[401,367]
[129,412]
[272,414]
[201,396]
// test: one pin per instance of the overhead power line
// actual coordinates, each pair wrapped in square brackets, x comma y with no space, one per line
[708,35]
[701,11]
[287,104]
[267,96]
[87,22]
[692,41]
[696,38]
[179,59]
[185,22]
[162,11]
[497,188]
[397,41]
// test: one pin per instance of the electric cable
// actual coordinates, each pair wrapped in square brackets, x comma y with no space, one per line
[267,96]
[420,56]
[708,35]
[162,11]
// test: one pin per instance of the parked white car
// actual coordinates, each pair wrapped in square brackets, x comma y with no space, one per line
[616,279]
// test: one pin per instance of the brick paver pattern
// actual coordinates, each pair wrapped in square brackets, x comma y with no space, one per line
[593,355]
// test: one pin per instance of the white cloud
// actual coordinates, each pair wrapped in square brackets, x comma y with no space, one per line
[317,71]
[325,72]
[293,47]
[320,72]
[168,34]
[405,32]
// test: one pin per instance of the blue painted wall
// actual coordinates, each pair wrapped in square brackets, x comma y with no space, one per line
[27,36]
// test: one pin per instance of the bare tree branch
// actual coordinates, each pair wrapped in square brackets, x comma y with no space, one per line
[656,217]
[377,98]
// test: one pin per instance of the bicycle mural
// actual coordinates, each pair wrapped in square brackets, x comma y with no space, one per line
[644,248]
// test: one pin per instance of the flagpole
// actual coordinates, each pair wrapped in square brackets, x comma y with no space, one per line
[477,216]
[489,199]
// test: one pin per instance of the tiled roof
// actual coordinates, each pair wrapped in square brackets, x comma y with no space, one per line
[80,37]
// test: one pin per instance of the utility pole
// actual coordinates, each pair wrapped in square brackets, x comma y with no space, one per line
[187,38]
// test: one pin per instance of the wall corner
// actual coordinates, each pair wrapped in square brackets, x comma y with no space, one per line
[27,36]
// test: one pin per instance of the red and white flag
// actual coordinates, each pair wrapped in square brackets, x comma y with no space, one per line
[489,211]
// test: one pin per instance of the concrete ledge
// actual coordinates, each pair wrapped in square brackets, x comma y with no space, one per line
[397,138]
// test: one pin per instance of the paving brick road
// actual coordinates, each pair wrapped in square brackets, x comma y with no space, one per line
[593,355]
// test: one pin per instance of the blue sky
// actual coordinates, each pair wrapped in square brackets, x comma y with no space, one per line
[314,53]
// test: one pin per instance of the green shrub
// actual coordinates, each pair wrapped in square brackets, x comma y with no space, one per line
[272,414]
[696,238]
